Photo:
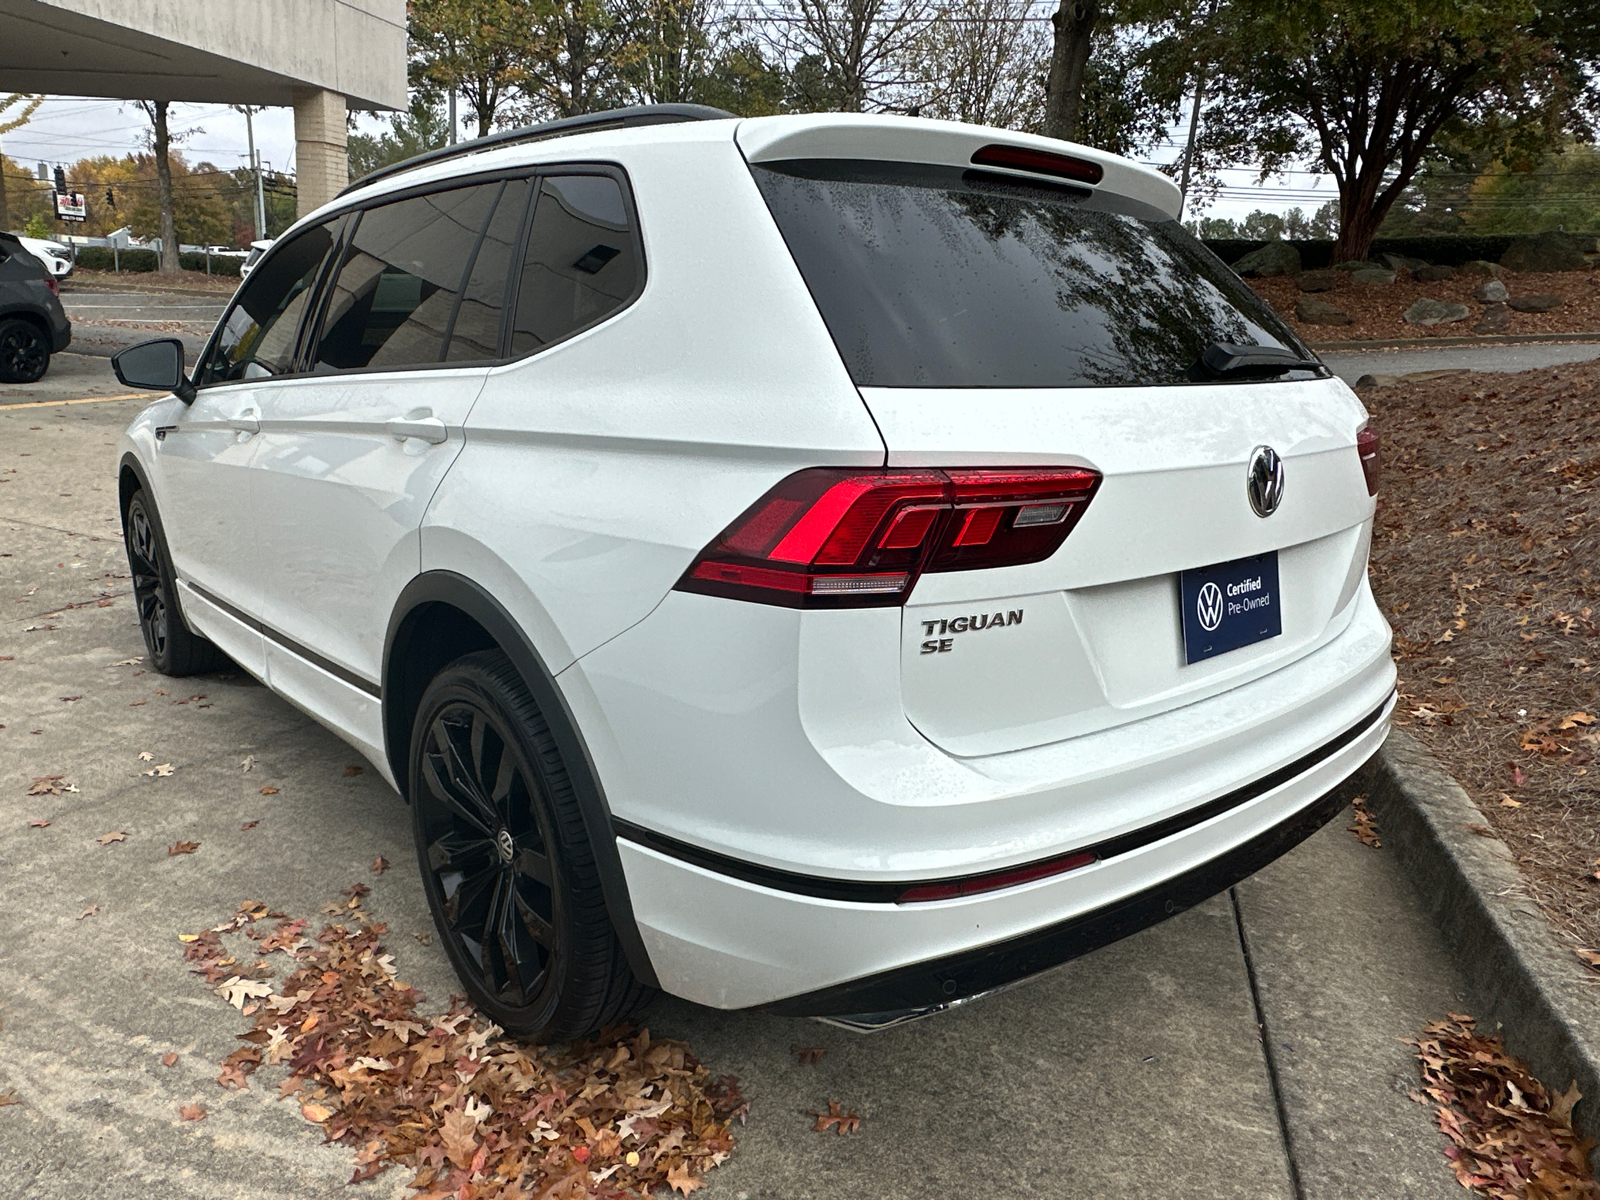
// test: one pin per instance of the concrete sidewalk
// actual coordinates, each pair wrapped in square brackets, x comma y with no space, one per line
[1140,1070]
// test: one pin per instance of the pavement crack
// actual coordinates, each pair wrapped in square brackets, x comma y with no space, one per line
[51,528]
[1268,1052]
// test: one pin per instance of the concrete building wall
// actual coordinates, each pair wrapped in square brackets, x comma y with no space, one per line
[219,51]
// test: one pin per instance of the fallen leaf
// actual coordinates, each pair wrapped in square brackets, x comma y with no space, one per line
[1592,957]
[8,1098]
[1576,719]
[92,911]
[459,1133]
[129,662]
[1508,802]
[380,865]
[836,1119]
[50,785]
[1366,826]
[70,699]
[192,1112]
[249,761]
[146,756]
[236,990]
[116,835]
[38,823]
[809,1056]
[182,848]
[1480,830]
[250,824]
[1518,777]
[681,1181]
[170,1058]
[351,772]
[269,791]
[160,771]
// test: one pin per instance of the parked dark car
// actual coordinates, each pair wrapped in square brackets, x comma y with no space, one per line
[33,325]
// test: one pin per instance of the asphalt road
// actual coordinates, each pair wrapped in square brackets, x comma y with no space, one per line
[105,321]
[1246,1048]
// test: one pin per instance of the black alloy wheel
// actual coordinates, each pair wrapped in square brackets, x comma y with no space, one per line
[24,351]
[505,859]
[487,853]
[149,585]
[173,647]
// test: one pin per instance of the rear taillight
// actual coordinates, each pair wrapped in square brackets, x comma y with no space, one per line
[1367,448]
[50,282]
[836,538]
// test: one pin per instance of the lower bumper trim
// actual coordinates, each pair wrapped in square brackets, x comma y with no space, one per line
[921,988]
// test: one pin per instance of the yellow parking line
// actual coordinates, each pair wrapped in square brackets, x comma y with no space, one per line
[84,400]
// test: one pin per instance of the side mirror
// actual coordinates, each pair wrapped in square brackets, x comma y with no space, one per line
[157,366]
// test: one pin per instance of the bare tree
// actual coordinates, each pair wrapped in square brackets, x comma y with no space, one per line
[161,143]
[1063,106]
[859,44]
[30,105]
[982,63]
[676,43]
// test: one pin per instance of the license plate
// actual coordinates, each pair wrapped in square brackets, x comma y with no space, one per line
[1230,605]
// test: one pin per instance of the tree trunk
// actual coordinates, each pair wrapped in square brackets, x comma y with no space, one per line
[5,208]
[1069,56]
[169,228]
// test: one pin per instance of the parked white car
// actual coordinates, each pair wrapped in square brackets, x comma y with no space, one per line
[840,564]
[257,249]
[56,257]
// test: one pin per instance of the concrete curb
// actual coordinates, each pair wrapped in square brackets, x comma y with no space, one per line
[1421,343]
[1518,973]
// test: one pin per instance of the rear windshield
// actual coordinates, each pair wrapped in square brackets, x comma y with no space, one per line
[940,277]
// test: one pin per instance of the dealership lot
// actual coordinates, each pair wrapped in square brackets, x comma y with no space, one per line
[1137,1070]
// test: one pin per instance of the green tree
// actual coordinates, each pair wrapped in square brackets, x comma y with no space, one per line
[1561,191]
[476,47]
[582,52]
[422,127]
[742,81]
[26,195]
[1365,88]
[28,106]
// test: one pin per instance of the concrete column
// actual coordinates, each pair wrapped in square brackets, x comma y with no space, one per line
[322,165]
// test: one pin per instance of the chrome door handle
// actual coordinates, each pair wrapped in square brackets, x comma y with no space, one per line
[429,429]
[248,421]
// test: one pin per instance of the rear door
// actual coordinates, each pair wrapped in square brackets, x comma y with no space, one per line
[350,454]
[993,320]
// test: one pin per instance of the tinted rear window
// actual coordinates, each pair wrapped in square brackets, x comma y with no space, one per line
[939,277]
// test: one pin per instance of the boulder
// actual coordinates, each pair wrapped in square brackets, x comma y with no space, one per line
[1356,264]
[1492,292]
[1317,281]
[1376,276]
[1401,262]
[1319,312]
[1376,381]
[1435,312]
[1275,258]
[1479,266]
[1551,251]
[1495,318]
[1543,302]
[1432,274]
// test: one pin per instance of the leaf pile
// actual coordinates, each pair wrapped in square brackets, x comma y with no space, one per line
[477,1115]
[1509,1137]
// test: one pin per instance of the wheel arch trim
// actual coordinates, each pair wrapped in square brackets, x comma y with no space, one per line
[457,591]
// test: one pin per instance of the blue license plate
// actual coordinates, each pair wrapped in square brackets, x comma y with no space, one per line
[1230,605]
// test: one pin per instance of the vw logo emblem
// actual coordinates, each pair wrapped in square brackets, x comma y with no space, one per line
[1264,481]
[1208,607]
[504,843]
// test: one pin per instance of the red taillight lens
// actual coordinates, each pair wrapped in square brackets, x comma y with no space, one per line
[1367,448]
[51,282]
[1041,162]
[832,538]
[977,884]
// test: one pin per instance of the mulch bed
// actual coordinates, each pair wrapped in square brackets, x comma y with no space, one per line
[195,280]
[1376,308]
[1484,558]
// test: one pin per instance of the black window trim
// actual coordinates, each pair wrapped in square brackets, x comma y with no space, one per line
[349,217]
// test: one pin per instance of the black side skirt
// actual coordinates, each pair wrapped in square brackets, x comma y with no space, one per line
[941,982]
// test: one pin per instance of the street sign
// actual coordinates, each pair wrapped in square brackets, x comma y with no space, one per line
[70,206]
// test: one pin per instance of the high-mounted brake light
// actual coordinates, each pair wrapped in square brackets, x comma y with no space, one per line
[836,538]
[1367,448]
[1040,162]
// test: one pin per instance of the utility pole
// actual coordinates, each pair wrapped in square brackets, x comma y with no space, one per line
[452,115]
[1194,117]
[255,166]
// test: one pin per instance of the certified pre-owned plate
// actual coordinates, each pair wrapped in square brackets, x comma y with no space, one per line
[1230,605]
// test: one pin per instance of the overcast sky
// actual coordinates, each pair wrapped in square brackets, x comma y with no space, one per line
[66,129]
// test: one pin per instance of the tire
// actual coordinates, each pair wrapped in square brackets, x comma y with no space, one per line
[173,647]
[505,859]
[24,351]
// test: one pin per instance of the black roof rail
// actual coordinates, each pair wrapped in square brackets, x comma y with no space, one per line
[612,118]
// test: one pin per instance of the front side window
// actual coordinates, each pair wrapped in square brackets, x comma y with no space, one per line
[951,278]
[257,336]
[581,263]
[399,279]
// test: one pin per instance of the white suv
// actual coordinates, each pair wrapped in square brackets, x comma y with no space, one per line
[836,564]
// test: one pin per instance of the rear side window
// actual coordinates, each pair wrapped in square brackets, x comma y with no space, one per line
[581,263]
[939,277]
[393,299]
[475,333]
[257,337]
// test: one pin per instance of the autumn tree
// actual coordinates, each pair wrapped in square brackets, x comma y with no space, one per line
[1366,88]
[160,145]
[476,48]
[25,106]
